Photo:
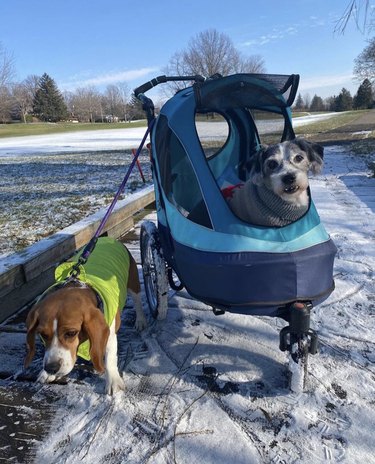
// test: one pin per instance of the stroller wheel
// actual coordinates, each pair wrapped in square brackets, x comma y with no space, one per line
[154,271]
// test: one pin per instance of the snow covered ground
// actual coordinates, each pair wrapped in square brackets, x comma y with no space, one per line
[113,139]
[202,388]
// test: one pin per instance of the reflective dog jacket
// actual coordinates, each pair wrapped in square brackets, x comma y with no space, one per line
[106,271]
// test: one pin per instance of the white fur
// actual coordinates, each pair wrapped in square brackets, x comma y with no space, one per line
[114,381]
[56,354]
[140,320]
[292,160]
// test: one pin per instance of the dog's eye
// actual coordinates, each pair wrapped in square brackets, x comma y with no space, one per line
[298,158]
[70,334]
[272,165]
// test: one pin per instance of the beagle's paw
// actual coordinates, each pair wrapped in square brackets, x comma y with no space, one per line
[44,377]
[140,322]
[114,384]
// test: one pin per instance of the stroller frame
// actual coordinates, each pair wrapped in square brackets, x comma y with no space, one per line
[222,261]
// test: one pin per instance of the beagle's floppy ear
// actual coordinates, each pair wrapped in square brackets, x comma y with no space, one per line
[97,332]
[31,325]
[315,153]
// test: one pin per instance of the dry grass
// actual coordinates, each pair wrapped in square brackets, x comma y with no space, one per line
[42,194]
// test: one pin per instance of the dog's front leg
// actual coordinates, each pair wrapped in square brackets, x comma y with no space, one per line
[114,381]
[140,318]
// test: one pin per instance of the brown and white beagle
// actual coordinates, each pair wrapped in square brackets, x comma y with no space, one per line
[70,317]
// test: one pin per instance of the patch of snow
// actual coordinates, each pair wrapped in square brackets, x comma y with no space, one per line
[201,388]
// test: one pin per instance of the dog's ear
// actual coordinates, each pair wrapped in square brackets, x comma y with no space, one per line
[254,165]
[315,153]
[31,325]
[97,331]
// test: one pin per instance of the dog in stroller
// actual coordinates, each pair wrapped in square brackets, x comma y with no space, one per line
[276,191]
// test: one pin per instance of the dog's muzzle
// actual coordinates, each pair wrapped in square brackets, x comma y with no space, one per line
[289,181]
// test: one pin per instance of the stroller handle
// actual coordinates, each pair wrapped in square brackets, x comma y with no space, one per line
[162,79]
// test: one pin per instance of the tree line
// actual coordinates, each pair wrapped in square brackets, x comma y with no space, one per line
[363,99]
[209,52]
[39,98]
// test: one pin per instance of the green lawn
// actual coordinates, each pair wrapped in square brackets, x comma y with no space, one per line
[19,129]
[338,120]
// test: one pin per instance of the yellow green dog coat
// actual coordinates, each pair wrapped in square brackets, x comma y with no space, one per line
[107,272]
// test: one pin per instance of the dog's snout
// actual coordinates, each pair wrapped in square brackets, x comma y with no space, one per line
[53,367]
[289,179]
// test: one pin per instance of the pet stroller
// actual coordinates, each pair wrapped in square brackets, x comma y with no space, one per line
[199,243]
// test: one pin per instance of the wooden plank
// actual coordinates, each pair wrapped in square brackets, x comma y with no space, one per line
[20,273]
[23,295]
[121,228]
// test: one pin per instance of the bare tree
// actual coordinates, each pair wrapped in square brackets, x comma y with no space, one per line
[7,69]
[211,52]
[115,100]
[364,64]
[21,101]
[251,64]
[85,104]
[358,11]
[7,73]
[23,94]
[307,100]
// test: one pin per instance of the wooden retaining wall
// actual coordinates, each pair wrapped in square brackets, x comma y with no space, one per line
[26,274]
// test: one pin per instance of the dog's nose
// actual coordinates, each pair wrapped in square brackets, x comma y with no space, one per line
[52,367]
[289,179]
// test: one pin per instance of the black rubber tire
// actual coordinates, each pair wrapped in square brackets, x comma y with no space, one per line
[154,270]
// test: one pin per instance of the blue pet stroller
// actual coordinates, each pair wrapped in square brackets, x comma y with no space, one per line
[200,244]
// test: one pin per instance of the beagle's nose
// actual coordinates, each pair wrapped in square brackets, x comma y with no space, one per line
[52,367]
[288,179]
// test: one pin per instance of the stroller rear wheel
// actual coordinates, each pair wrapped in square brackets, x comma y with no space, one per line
[154,271]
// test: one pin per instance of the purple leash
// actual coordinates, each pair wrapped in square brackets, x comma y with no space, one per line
[89,248]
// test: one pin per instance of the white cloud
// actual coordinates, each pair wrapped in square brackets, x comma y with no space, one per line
[276,34]
[106,79]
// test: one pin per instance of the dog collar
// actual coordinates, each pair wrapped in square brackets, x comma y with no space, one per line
[75,284]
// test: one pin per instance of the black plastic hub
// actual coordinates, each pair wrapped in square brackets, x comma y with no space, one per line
[299,328]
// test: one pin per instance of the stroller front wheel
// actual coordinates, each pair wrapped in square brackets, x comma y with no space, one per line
[298,359]
[154,271]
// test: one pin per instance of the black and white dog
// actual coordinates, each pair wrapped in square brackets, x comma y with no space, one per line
[276,192]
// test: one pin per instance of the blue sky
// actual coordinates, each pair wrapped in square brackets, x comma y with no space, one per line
[100,42]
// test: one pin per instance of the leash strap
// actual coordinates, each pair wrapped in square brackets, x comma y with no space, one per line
[89,248]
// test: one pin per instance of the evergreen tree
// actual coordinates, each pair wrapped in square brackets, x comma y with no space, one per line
[364,98]
[300,105]
[134,108]
[48,102]
[317,104]
[344,102]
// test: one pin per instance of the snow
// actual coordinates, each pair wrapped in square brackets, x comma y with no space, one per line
[202,388]
[302,120]
[111,139]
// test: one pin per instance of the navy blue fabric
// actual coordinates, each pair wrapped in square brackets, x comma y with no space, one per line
[252,282]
